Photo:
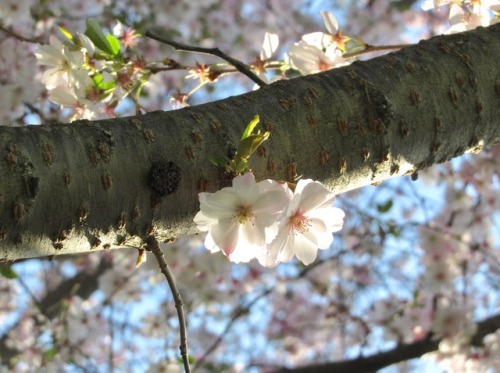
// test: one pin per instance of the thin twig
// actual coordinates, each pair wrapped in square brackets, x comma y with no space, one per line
[240,66]
[153,245]
[374,48]
[242,310]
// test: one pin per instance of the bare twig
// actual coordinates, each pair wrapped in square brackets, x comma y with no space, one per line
[240,66]
[244,310]
[240,311]
[153,245]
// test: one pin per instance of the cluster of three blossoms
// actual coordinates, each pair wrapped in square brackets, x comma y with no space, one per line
[267,221]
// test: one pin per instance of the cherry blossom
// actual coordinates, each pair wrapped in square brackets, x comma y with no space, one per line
[306,224]
[236,217]
[454,253]
[309,59]
[67,65]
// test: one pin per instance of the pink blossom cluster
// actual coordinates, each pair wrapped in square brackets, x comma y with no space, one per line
[266,221]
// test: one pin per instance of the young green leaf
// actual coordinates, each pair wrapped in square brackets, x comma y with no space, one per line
[114,43]
[95,33]
[219,161]
[248,131]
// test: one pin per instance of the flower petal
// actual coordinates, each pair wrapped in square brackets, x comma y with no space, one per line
[225,236]
[305,250]
[314,195]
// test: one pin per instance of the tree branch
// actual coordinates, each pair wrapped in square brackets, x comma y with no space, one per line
[94,185]
[153,245]
[240,66]
[398,354]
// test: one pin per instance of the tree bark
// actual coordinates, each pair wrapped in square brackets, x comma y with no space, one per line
[69,188]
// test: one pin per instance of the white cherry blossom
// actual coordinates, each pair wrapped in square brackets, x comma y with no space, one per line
[67,65]
[309,59]
[236,217]
[307,223]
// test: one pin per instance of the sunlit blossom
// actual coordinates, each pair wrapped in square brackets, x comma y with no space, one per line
[236,217]
[307,223]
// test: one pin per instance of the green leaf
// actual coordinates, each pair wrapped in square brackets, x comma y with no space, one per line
[101,84]
[7,272]
[248,131]
[95,33]
[65,32]
[219,161]
[383,208]
[114,43]
[242,166]
[250,144]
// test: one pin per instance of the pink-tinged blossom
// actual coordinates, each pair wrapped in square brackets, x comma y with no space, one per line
[236,217]
[306,224]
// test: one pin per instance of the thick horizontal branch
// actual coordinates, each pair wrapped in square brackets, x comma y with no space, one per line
[69,188]
[398,354]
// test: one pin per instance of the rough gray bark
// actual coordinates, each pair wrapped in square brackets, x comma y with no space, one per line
[69,188]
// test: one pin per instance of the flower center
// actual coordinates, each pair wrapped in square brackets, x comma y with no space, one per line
[243,214]
[299,223]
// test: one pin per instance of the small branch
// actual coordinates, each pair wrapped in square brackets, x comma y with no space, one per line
[374,48]
[244,310]
[240,66]
[398,354]
[17,36]
[155,249]
[240,311]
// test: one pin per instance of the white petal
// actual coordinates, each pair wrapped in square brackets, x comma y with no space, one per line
[283,245]
[318,40]
[272,202]
[271,42]
[225,236]
[330,22]
[333,217]
[210,244]
[252,234]
[244,180]
[219,205]
[63,95]
[305,250]
[204,222]
[319,234]
[314,195]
